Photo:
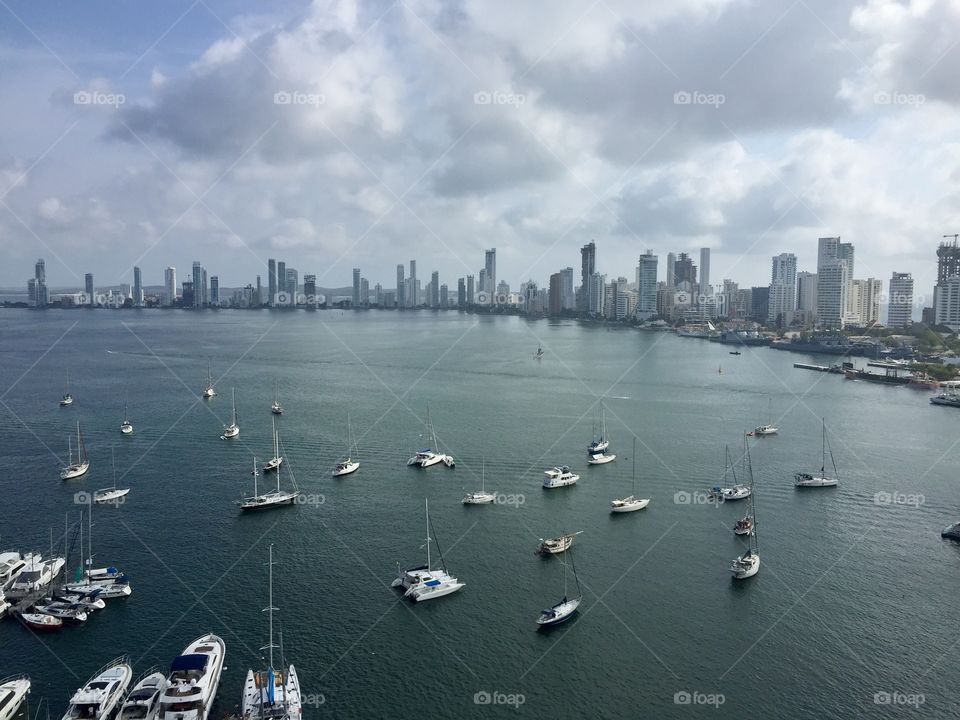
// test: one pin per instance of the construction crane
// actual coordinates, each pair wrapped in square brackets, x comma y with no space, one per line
[954,236]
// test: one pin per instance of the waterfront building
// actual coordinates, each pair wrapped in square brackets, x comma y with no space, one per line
[137,288]
[684,271]
[705,288]
[401,287]
[947,303]
[646,295]
[461,292]
[356,287]
[271,281]
[671,262]
[88,286]
[588,266]
[471,290]
[783,289]
[490,265]
[900,300]
[435,289]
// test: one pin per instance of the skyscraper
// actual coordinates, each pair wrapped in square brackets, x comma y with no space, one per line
[647,286]
[947,303]
[462,292]
[292,284]
[865,301]
[364,292]
[705,288]
[281,282]
[596,290]
[435,289]
[356,287]
[88,287]
[169,285]
[900,302]
[310,291]
[444,296]
[215,290]
[271,281]
[471,290]
[834,263]
[490,265]
[41,297]
[258,299]
[568,297]
[483,286]
[948,261]
[401,296]
[197,285]
[671,261]
[807,295]
[783,289]
[137,288]
[588,267]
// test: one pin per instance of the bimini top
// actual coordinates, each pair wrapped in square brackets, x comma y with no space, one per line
[189,662]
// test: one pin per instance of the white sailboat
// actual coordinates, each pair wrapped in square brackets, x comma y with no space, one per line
[277,459]
[126,427]
[67,398]
[820,479]
[79,468]
[271,694]
[744,526]
[102,695]
[559,476]
[599,443]
[349,464]
[423,582]
[276,408]
[232,430]
[538,355]
[748,564]
[564,609]
[631,503]
[272,498]
[737,491]
[193,680]
[208,390]
[111,494]
[430,456]
[482,497]
[557,545]
[769,428]
[109,581]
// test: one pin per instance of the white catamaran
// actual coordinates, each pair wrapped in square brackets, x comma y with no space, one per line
[423,582]
[431,455]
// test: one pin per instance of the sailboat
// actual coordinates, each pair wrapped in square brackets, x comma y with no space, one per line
[79,468]
[272,694]
[601,443]
[539,354]
[232,430]
[276,408]
[630,503]
[109,582]
[111,495]
[738,491]
[431,456]
[126,427]
[821,479]
[423,582]
[277,460]
[564,609]
[769,428]
[272,498]
[483,497]
[748,564]
[67,398]
[208,391]
[557,545]
[348,465]
[744,526]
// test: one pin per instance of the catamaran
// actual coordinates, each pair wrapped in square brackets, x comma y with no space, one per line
[208,391]
[348,465]
[232,430]
[277,459]
[193,680]
[482,497]
[112,494]
[143,702]
[423,582]
[557,545]
[821,479]
[102,695]
[564,609]
[276,408]
[631,503]
[79,468]
[272,694]
[559,476]
[429,456]
[272,498]
[748,564]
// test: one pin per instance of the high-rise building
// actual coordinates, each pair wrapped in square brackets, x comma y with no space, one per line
[759,306]
[137,288]
[947,303]
[828,248]
[186,294]
[197,286]
[444,296]
[401,296]
[948,261]
[169,285]
[647,286]
[258,298]
[292,284]
[435,289]
[32,292]
[684,270]
[490,265]
[568,297]
[783,289]
[39,297]
[281,277]
[356,287]
[807,292]
[364,292]
[462,292]
[555,294]
[900,300]
[88,289]
[471,290]
[271,281]
[671,261]
[705,288]
[483,285]
[214,290]
[833,289]
[596,293]
[310,291]
[588,268]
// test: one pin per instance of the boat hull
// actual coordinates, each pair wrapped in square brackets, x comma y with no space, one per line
[742,570]
[801,480]
[72,472]
[346,469]
[628,505]
[601,459]
[559,613]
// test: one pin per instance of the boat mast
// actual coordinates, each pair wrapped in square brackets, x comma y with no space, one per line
[752,538]
[233,415]
[270,608]
[426,508]
[634,463]
[255,476]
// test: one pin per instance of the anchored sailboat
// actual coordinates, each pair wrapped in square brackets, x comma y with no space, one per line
[820,479]
[423,582]
[126,427]
[482,497]
[208,391]
[349,464]
[79,468]
[111,495]
[744,526]
[232,430]
[432,455]
[67,398]
[276,408]
[272,498]
[277,459]
[748,564]
[564,609]
[630,503]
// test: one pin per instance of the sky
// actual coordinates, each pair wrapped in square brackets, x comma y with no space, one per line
[341,134]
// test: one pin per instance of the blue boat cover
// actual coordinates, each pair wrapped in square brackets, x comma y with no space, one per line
[432,583]
[189,662]
[270,683]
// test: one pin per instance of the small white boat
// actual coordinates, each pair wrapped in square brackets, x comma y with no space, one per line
[600,459]
[277,459]
[143,702]
[767,429]
[564,609]
[423,582]
[822,478]
[348,465]
[559,476]
[557,545]
[91,600]
[276,408]
[745,525]
[111,591]
[482,497]
[126,427]
[631,503]
[272,498]
[232,430]
[102,695]
[193,680]
[13,691]
[208,391]
[79,468]
[729,494]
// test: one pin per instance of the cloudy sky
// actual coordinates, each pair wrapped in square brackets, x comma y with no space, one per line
[368,132]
